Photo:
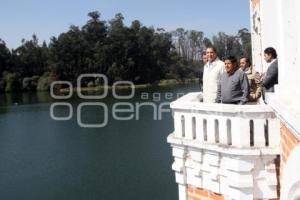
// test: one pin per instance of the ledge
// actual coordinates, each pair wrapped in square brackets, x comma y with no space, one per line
[287,113]
[253,151]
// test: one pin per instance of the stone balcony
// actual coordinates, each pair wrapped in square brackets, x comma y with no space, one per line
[231,150]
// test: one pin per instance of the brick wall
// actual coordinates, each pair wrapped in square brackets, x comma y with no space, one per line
[288,142]
[201,194]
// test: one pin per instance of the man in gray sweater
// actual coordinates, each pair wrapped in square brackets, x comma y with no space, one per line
[233,87]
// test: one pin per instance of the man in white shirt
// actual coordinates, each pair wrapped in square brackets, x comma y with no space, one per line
[211,75]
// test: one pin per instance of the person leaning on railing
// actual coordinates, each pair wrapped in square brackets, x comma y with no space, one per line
[233,87]
[253,77]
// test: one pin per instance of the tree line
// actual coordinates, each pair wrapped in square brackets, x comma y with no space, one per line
[135,53]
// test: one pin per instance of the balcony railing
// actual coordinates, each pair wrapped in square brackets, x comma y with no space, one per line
[225,125]
[227,149]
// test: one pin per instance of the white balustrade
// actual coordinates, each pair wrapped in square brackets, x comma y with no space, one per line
[227,149]
[250,126]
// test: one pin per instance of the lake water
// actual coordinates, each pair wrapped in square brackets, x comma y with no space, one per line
[42,158]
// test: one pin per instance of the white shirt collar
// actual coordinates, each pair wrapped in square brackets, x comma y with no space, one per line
[210,64]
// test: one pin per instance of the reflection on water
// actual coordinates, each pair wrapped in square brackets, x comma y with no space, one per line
[8,99]
[41,158]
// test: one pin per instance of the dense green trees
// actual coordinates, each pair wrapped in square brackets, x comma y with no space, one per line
[136,53]
[30,59]
[5,56]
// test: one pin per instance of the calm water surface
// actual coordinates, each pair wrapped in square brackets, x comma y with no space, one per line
[41,158]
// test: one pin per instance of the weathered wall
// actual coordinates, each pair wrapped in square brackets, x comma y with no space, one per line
[264,16]
[290,164]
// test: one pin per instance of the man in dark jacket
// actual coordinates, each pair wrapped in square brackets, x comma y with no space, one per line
[271,76]
[204,61]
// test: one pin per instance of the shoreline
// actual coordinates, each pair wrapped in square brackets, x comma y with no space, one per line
[162,83]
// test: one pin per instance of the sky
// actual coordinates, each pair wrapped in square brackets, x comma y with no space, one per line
[46,18]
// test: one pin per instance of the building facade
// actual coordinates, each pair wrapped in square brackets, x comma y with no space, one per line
[251,151]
